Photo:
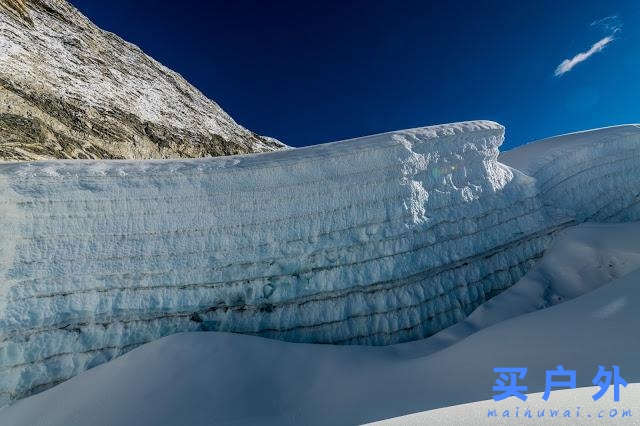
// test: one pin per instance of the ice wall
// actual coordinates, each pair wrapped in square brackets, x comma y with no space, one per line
[374,240]
[591,176]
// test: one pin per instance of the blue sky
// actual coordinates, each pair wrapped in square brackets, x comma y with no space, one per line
[307,72]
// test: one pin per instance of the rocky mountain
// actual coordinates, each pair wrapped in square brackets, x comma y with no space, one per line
[71,90]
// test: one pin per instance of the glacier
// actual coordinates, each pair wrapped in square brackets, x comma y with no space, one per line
[371,241]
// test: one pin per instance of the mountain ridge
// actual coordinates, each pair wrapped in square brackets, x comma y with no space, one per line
[70,90]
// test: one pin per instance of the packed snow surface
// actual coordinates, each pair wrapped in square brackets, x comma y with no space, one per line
[568,407]
[221,378]
[376,240]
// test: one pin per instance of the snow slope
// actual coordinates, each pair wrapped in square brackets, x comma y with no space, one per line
[377,240]
[582,410]
[220,378]
[580,259]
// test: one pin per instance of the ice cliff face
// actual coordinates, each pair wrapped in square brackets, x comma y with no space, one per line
[376,240]
[71,90]
[591,176]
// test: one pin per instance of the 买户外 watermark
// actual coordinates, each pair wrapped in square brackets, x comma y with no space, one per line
[507,385]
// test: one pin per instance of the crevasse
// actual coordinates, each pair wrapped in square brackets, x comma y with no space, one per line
[375,240]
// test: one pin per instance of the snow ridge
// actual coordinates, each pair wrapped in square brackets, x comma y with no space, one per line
[375,240]
[607,161]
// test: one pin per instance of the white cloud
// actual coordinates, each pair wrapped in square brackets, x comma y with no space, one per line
[568,64]
[609,24]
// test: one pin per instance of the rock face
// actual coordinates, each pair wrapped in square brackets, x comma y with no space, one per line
[376,240]
[71,90]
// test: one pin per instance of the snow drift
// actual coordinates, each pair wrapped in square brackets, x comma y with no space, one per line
[375,240]
[582,410]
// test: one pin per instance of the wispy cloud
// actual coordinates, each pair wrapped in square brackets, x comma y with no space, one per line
[568,64]
[610,25]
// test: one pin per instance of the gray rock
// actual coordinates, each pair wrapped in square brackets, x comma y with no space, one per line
[71,90]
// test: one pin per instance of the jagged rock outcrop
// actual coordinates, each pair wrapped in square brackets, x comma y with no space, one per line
[376,240]
[71,90]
